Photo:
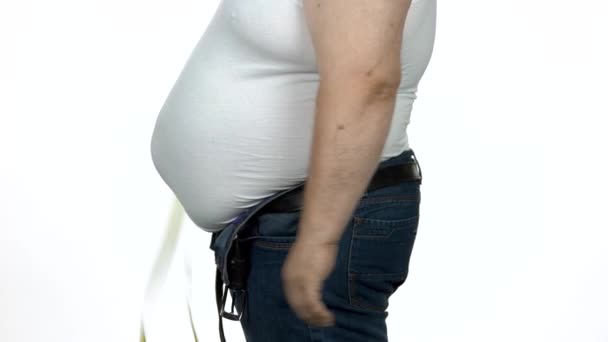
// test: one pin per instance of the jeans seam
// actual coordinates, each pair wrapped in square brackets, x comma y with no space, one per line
[350,251]
[358,302]
[310,334]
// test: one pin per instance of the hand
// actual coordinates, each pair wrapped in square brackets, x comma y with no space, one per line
[307,266]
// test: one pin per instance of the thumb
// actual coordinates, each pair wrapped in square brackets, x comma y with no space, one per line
[319,314]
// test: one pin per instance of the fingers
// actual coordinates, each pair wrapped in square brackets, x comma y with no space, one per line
[305,300]
[303,274]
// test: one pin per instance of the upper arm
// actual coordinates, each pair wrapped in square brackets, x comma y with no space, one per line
[357,39]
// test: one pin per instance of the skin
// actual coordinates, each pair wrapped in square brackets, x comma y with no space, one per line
[357,46]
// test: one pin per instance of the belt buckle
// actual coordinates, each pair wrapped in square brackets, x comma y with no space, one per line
[231,315]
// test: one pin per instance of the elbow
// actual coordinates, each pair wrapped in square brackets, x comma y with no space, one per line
[385,88]
[380,89]
[384,83]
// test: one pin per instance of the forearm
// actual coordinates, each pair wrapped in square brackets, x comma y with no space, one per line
[351,127]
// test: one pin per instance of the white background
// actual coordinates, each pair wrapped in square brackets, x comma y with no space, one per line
[509,127]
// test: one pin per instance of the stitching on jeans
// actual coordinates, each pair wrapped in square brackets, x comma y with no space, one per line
[385,223]
[352,293]
[366,201]
[358,302]
[274,245]
[390,276]
[380,237]
[350,250]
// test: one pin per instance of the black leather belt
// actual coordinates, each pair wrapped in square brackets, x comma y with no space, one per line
[386,176]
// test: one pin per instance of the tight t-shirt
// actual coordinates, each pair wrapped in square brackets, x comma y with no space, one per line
[237,126]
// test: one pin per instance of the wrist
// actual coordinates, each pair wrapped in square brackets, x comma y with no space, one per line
[316,237]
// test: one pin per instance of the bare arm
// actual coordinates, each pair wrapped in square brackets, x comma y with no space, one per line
[357,45]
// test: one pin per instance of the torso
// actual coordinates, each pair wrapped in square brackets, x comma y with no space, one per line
[237,125]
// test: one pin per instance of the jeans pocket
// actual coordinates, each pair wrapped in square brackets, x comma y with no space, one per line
[380,252]
[371,292]
[277,231]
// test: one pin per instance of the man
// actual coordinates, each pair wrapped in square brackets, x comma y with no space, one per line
[323,273]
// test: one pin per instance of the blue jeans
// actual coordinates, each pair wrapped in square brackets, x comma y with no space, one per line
[372,263]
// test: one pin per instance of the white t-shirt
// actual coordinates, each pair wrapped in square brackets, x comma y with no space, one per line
[237,125]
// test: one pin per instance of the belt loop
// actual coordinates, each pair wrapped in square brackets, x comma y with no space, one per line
[419,168]
[417,164]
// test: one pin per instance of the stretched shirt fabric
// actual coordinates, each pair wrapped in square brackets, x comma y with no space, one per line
[237,126]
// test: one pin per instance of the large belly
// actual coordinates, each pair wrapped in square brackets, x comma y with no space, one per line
[237,125]
[221,151]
